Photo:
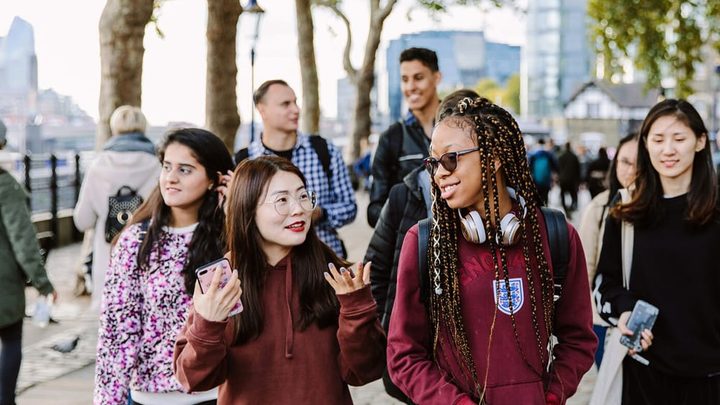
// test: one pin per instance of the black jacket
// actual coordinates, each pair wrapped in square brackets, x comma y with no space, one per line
[569,169]
[404,208]
[397,154]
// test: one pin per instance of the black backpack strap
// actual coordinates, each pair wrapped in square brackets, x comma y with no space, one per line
[423,240]
[559,242]
[321,148]
[241,155]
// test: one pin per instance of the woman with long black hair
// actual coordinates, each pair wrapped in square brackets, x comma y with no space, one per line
[675,256]
[150,281]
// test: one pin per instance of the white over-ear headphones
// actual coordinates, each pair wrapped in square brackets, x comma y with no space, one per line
[473,226]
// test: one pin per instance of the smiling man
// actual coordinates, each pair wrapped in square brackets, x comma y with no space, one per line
[320,161]
[404,145]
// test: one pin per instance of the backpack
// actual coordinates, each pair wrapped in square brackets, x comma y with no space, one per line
[319,145]
[541,168]
[121,207]
[558,239]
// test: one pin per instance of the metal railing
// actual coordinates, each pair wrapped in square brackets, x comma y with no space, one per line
[53,182]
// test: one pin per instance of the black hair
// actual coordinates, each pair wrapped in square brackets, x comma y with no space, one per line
[644,207]
[612,179]
[208,240]
[318,302]
[425,56]
[450,101]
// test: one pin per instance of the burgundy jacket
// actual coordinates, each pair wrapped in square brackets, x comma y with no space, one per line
[510,380]
[284,365]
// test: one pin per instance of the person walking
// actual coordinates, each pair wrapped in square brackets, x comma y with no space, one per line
[674,213]
[319,160]
[478,329]
[403,146]
[126,160]
[542,166]
[151,276]
[21,262]
[307,329]
[597,173]
[569,179]
[592,225]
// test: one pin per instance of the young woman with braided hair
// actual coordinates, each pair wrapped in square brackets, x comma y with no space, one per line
[471,341]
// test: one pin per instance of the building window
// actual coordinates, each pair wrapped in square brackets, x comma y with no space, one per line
[593,110]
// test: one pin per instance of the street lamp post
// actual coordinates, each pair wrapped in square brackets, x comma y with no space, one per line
[255,13]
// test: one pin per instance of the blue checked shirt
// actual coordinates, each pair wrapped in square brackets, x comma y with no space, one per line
[337,199]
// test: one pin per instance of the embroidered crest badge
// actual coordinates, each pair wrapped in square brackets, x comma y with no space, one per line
[502,298]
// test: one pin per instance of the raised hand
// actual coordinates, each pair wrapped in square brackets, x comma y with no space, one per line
[345,280]
[216,303]
[223,186]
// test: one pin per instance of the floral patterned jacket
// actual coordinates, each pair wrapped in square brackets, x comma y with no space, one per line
[142,312]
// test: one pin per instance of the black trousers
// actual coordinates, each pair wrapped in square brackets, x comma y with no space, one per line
[10,358]
[543,191]
[643,385]
[573,191]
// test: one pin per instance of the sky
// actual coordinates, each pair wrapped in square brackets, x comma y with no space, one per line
[68,51]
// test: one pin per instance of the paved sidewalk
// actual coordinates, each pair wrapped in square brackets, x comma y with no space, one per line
[49,377]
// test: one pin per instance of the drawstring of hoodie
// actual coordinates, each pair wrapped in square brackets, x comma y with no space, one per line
[289,326]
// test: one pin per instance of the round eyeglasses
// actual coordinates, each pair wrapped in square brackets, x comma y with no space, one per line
[448,160]
[307,200]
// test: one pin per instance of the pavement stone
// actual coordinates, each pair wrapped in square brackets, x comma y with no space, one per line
[68,379]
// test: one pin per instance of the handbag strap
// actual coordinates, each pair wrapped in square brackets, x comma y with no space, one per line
[627,236]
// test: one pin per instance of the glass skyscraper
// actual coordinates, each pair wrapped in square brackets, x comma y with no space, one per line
[557,57]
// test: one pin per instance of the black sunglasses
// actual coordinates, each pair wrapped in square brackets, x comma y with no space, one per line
[448,160]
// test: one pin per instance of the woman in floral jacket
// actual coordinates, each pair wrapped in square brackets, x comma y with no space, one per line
[150,280]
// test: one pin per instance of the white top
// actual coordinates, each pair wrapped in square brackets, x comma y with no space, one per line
[175,398]
[106,174]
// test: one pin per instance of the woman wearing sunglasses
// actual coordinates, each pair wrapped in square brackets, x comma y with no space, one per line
[483,331]
[307,330]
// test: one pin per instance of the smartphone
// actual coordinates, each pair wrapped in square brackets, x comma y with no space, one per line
[206,273]
[642,317]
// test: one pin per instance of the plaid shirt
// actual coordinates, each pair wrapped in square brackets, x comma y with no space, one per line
[337,199]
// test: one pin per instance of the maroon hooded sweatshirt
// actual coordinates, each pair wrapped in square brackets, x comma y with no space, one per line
[510,380]
[284,365]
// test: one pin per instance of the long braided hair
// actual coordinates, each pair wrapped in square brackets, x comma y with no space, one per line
[497,135]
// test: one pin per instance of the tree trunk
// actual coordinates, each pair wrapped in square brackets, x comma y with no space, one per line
[310,118]
[362,122]
[365,78]
[221,111]
[121,29]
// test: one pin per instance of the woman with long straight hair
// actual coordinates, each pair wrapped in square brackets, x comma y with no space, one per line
[482,333]
[675,257]
[307,329]
[150,281]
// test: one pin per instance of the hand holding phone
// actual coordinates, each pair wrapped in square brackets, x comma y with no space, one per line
[642,317]
[218,285]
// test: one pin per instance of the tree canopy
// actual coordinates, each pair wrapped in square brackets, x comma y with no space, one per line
[662,37]
[507,97]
